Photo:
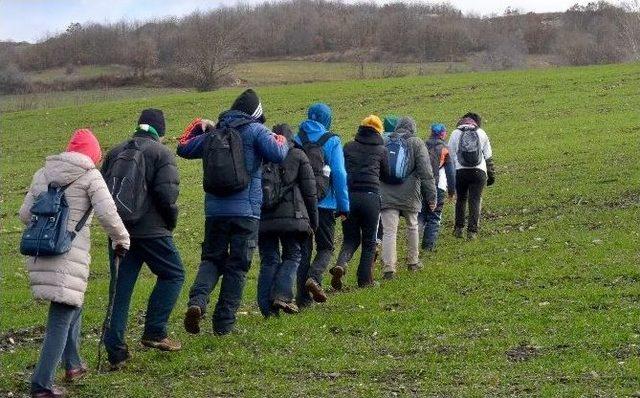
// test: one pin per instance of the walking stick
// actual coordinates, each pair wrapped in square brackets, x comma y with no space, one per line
[107,320]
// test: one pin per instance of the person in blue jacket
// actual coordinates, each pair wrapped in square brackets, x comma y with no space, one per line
[231,223]
[334,204]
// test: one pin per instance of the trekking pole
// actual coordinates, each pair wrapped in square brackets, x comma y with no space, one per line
[107,320]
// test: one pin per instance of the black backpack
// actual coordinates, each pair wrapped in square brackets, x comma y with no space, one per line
[126,178]
[273,187]
[469,148]
[435,146]
[315,153]
[223,166]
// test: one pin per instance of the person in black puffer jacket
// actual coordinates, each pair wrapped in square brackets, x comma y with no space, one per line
[366,161]
[288,224]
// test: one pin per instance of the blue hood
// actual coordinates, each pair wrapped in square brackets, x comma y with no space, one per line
[320,113]
[313,129]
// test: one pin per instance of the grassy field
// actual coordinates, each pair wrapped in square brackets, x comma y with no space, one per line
[546,303]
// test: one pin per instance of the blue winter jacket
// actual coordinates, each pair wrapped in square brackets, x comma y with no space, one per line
[259,144]
[338,196]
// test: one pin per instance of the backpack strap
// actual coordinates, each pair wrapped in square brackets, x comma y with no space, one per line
[324,138]
[83,220]
[234,124]
[304,137]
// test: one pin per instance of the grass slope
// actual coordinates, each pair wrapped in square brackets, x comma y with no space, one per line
[545,304]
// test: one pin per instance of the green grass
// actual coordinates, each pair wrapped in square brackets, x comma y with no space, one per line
[544,304]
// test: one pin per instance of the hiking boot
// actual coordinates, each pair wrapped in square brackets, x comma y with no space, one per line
[287,308]
[121,362]
[413,267]
[192,319]
[319,296]
[458,233]
[472,235]
[365,285]
[75,374]
[336,277]
[387,276]
[55,392]
[165,344]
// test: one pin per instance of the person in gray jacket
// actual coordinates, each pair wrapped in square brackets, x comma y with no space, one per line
[405,199]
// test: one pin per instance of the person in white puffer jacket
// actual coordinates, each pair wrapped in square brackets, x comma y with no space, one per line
[62,279]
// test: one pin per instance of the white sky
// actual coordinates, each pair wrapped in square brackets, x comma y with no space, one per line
[30,20]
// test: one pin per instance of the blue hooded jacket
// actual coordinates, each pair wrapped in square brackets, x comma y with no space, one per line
[259,144]
[317,124]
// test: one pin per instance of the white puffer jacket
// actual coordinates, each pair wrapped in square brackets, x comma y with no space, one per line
[63,278]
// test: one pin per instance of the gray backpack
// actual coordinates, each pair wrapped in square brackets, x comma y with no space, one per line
[469,148]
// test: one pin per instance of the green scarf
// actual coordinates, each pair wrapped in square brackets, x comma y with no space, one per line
[152,132]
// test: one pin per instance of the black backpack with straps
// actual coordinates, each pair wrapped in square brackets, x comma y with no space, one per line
[223,163]
[315,153]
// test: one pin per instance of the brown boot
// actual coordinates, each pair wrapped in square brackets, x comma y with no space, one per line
[319,296]
[165,344]
[288,308]
[75,374]
[336,277]
[192,319]
[55,392]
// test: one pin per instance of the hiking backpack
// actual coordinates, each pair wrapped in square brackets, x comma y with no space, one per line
[469,148]
[315,153]
[223,166]
[126,179]
[435,148]
[273,189]
[399,157]
[47,233]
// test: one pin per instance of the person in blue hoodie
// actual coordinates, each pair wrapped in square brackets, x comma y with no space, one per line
[232,222]
[335,203]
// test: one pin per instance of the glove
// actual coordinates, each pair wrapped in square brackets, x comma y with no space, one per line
[120,251]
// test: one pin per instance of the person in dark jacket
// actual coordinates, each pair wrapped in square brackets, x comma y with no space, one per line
[288,224]
[231,224]
[151,243]
[444,172]
[366,161]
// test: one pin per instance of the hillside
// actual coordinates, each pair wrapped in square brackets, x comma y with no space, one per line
[544,304]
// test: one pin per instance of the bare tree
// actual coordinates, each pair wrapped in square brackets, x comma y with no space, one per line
[142,55]
[631,27]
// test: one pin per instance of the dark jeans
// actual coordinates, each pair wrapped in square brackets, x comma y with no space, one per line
[469,186]
[431,222]
[162,258]
[278,271]
[227,249]
[361,227]
[324,250]
[61,342]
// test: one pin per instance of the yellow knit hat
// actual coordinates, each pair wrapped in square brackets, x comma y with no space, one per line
[374,122]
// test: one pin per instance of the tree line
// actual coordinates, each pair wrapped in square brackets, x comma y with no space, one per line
[198,50]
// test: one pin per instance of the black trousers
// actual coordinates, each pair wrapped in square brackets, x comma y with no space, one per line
[469,186]
[360,228]
[324,250]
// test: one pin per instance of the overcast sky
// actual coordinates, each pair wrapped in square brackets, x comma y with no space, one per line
[31,20]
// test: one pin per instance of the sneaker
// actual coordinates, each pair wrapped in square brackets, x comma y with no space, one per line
[287,308]
[413,267]
[55,392]
[319,296]
[472,235]
[458,233]
[388,275]
[75,374]
[336,277]
[192,319]
[165,344]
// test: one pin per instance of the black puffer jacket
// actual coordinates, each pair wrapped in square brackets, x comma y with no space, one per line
[366,161]
[163,184]
[298,212]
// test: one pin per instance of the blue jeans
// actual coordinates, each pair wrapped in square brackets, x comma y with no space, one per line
[163,259]
[278,272]
[227,249]
[61,342]
[431,221]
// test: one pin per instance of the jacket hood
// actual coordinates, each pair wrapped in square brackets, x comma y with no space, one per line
[66,167]
[227,117]
[320,113]
[369,136]
[313,129]
[406,127]
[467,124]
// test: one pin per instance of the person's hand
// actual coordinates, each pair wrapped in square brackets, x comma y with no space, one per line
[432,206]
[120,251]
[280,139]
[207,124]
[342,215]
[490,180]
[452,196]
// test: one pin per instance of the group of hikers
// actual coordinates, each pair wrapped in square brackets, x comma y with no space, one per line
[274,190]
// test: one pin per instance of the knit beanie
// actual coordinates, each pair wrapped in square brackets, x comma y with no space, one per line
[390,122]
[374,122]
[83,141]
[438,130]
[248,102]
[153,118]
[320,113]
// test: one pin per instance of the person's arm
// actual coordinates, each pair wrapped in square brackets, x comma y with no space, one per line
[272,147]
[29,199]
[307,183]
[165,189]
[450,172]
[106,212]
[339,176]
[384,165]
[424,173]
[192,147]
[488,156]
[453,146]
